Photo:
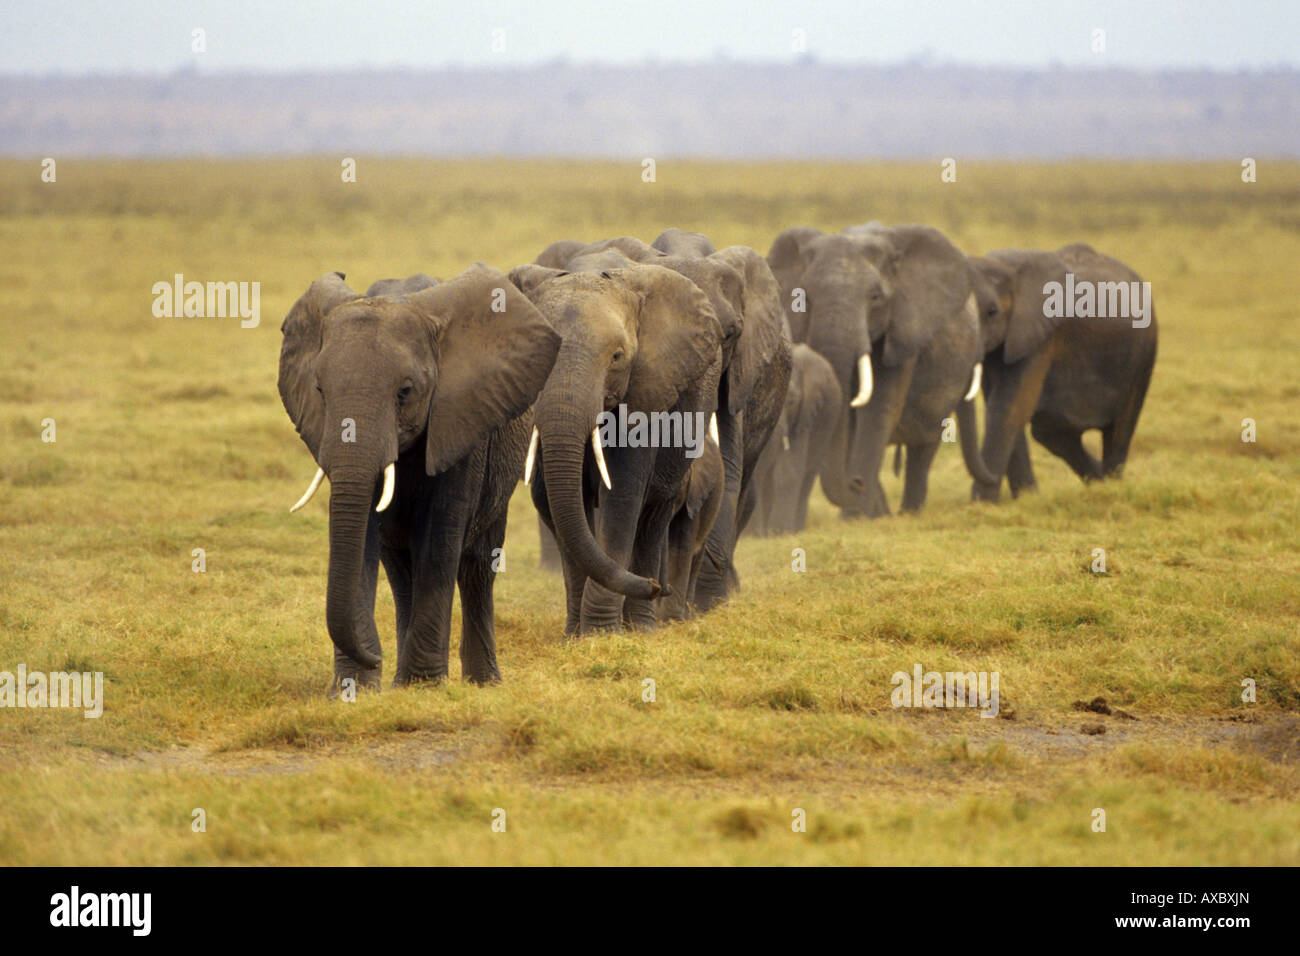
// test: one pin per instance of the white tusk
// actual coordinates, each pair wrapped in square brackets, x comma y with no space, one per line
[975,382]
[785,442]
[865,382]
[311,490]
[713,428]
[600,457]
[532,454]
[390,479]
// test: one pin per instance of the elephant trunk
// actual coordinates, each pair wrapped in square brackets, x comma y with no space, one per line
[565,427]
[351,494]
[967,434]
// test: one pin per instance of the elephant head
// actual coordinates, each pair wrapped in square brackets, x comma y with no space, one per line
[429,369]
[868,299]
[1010,285]
[637,335]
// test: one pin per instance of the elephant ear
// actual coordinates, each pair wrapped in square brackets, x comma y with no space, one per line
[494,351]
[766,332]
[527,278]
[301,330]
[393,288]
[1029,325]
[786,257]
[930,283]
[558,253]
[678,336]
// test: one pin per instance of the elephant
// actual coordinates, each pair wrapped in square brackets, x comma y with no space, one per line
[698,505]
[641,343]
[415,401]
[1061,374]
[755,371]
[892,309]
[788,466]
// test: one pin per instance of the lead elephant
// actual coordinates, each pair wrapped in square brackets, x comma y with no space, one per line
[788,466]
[890,308]
[414,400]
[638,340]
[1061,373]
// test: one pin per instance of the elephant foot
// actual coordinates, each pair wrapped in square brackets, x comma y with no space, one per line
[1018,490]
[989,493]
[361,679]
[483,677]
[412,677]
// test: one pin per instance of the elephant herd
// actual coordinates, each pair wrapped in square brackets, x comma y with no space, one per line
[660,399]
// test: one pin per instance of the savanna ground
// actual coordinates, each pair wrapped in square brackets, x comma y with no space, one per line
[171,437]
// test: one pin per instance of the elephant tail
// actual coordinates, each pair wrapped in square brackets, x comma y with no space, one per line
[898,459]
[968,434]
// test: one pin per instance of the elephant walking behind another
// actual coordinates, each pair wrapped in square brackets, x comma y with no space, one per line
[788,467]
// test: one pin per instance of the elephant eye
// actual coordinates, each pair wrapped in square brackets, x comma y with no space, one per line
[618,356]
[992,311]
[876,295]
[404,393]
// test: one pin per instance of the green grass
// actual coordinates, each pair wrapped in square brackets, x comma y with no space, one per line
[170,437]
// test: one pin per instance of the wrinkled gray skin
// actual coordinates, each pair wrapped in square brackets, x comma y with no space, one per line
[755,367]
[1061,376]
[788,466]
[439,384]
[751,394]
[698,506]
[898,294]
[638,335]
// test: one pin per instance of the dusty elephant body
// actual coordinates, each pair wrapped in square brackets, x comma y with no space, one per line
[787,469]
[890,308]
[636,340]
[1061,375]
[414,401]
[754,373]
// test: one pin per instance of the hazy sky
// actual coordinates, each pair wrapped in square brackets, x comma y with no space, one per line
[81,36]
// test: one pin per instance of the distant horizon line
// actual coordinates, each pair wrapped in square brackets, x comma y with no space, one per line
[192,69]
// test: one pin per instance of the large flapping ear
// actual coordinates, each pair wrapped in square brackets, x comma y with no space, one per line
[766,332]
[929,282]
[301,330]
[558,253]
[392,288]
[528,277]
[786,257]
[1030,324]
[494,349]
[678,336]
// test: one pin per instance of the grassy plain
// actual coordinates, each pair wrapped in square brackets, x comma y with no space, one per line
[170,437]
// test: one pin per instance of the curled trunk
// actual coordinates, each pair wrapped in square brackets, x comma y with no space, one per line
[564,439]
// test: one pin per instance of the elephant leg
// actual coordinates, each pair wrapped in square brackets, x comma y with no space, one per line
[345,668]
[1010,401]
[1116,437]
[917,478]
[1020,470]
[434,572]
[1068,444]
[801,501]
[651,556]
[717,577]
[478,645]
[617,526]
[681,539]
